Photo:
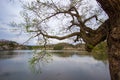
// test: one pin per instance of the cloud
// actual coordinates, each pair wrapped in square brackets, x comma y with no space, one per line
[9,12]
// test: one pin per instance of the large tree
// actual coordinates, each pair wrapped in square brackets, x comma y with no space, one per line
[75,17]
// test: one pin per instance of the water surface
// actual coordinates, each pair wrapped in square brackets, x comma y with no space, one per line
[62,65]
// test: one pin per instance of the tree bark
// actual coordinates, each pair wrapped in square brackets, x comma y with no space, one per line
[114,48]
[112,8]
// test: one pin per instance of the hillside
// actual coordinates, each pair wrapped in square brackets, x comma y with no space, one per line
[10,45]
[60,46]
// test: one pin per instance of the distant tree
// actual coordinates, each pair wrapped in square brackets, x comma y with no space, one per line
[58,47]
[75,17]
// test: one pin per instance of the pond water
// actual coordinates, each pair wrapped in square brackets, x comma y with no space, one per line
[60,65]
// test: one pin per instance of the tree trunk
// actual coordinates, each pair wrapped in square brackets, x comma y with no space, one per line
[112,8]
[114,48]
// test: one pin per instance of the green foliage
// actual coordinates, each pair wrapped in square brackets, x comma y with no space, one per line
[99,52]
[101,47]
[58,47]
[38,59]
[90,46]
[43,55]
[35,47]
[61,46]
[33,60]
[100,55]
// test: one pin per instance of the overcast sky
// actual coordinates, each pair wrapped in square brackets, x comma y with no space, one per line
[9,12]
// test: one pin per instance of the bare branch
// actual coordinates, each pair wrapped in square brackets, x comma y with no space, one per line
[57,37]
[45,11]
[55,5]
[94,16]
[92,39]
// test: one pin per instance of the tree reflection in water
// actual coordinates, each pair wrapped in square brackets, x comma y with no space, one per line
[43,57]
[40,58]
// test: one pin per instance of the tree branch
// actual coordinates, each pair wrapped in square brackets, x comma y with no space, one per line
[90,37]
[94,16]
[57,37]
[97,37]
[112,7]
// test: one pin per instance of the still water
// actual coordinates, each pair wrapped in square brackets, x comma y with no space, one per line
[60,65]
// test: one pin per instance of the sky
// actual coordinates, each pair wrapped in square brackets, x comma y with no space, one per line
[10,12]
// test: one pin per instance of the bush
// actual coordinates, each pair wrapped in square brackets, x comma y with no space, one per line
[58,47]
[101,47]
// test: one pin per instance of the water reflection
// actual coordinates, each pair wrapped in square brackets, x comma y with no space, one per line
[97,55]
[60,65]
[12,53]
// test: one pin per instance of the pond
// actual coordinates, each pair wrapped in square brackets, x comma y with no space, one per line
[59,65]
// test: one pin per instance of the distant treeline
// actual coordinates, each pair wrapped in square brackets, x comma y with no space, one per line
[59,46]
[12,45]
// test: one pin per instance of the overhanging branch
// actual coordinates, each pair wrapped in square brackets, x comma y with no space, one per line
[57,37]
[100,35]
